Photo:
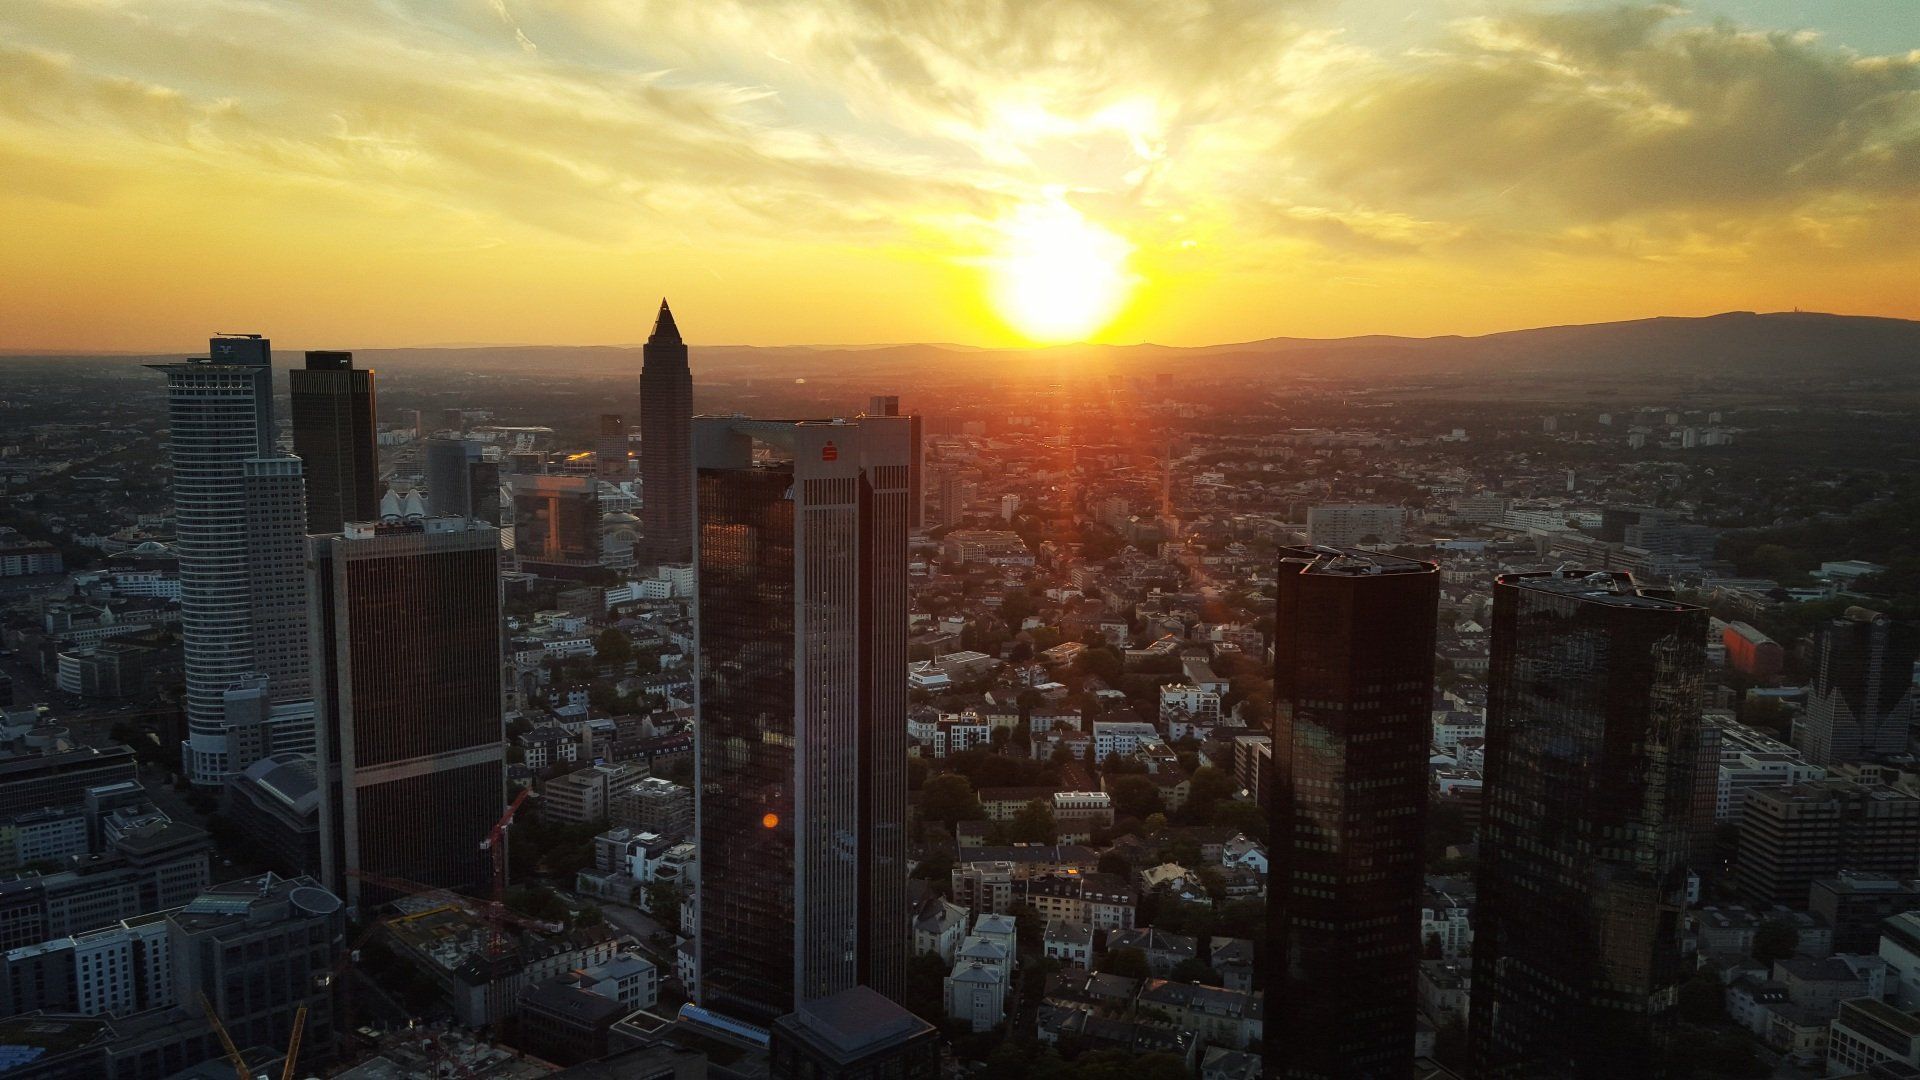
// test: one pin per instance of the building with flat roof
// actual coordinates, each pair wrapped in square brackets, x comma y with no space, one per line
[1353,691]
[855,1034]
[335,434]
[1593,712]
[1792,836]
[801,782]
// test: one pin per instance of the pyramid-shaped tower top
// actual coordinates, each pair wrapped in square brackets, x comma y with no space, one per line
[664,331]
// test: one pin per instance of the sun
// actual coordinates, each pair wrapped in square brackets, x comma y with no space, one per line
[1056,276]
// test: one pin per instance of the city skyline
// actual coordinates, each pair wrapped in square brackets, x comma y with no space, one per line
[1181,173]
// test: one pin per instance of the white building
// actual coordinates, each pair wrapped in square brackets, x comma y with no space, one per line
[1121,737]
[1351,524]
[1188,710]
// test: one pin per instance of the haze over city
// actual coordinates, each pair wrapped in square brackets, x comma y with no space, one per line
[928,539]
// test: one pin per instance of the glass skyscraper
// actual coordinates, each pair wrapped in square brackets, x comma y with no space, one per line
[1347,800]
[407,646]
[335,435]
[801,786]
[1593,731]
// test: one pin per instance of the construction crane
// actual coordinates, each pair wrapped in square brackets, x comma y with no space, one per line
[240,1070]
[496,845]
[293,1044]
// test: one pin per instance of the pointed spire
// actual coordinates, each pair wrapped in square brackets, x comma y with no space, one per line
[664,331]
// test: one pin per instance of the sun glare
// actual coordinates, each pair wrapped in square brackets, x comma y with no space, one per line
[1058,277]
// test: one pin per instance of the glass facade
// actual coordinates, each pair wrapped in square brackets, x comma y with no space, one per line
[802,785]
[334,434]
[746,806]
[1593,731]
[1347,799]
[408,638]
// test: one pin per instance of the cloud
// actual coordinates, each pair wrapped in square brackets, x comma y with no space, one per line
[1576,122]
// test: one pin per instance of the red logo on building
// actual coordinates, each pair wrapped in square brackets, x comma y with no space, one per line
[829,452]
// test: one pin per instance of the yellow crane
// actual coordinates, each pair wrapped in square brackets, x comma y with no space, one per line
[240,1070]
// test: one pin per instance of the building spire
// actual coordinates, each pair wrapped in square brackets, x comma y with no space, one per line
[664,331]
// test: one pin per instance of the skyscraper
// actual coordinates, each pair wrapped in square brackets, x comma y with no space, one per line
[556,523]
[666,446]
[334,434]
[1861,702]
[1353,690]
[276,515]
[220,418]
[461,482]
[801,784]
[610,454]
[1593,729]
[889,405]
[407,662]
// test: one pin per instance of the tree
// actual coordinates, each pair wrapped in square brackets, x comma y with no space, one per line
[1245,817]
[1210,786]
[1436,949]
[1702,999]
[1135,796]
[663,902]
[1129,962]
[1033,824]
[1112,862]
[917,770]
[1194,971]
[1776,939]
[949,798]
[612,646]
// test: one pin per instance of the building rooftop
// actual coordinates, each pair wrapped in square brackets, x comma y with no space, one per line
[854,1023]
[1351,562]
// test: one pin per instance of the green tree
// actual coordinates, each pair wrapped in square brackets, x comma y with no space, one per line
[1702,999]
[1112,862]
[1210,786]
[1135,796]
[949,798]
[1129,962]
[612,646]
[1194,971]
[1033,824]
[1775,939]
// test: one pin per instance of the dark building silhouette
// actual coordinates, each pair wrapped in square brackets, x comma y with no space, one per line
[666,446]
[407,670]
[1860,704]
[335,437]
[610,452]
[1792,836]
[1593,730]
[889,405]
[556,523]
[460,482]
[853,1035]
[1347,799]
[801,783]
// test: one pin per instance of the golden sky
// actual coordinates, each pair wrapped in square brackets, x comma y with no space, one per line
[374,172]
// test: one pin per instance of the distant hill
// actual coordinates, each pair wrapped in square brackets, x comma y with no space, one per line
[1797,345]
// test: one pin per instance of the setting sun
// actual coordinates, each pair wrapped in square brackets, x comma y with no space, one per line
[1057,276]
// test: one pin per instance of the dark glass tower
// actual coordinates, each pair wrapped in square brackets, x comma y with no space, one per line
[802,795]
[335,437]
[460,482]
[556,523]
[666,446]
[407,663]
[1593,733]
[1347,802]
[1861,702]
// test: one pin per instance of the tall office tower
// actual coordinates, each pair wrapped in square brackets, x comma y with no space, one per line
[610,452]
[889,405]
[1353,700]
[462,483]
[1861,701]
[801,783]
[666,446]
[334,434]
[406,644]
[220,415]
[277,513]
[556,523]
[1593,732]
